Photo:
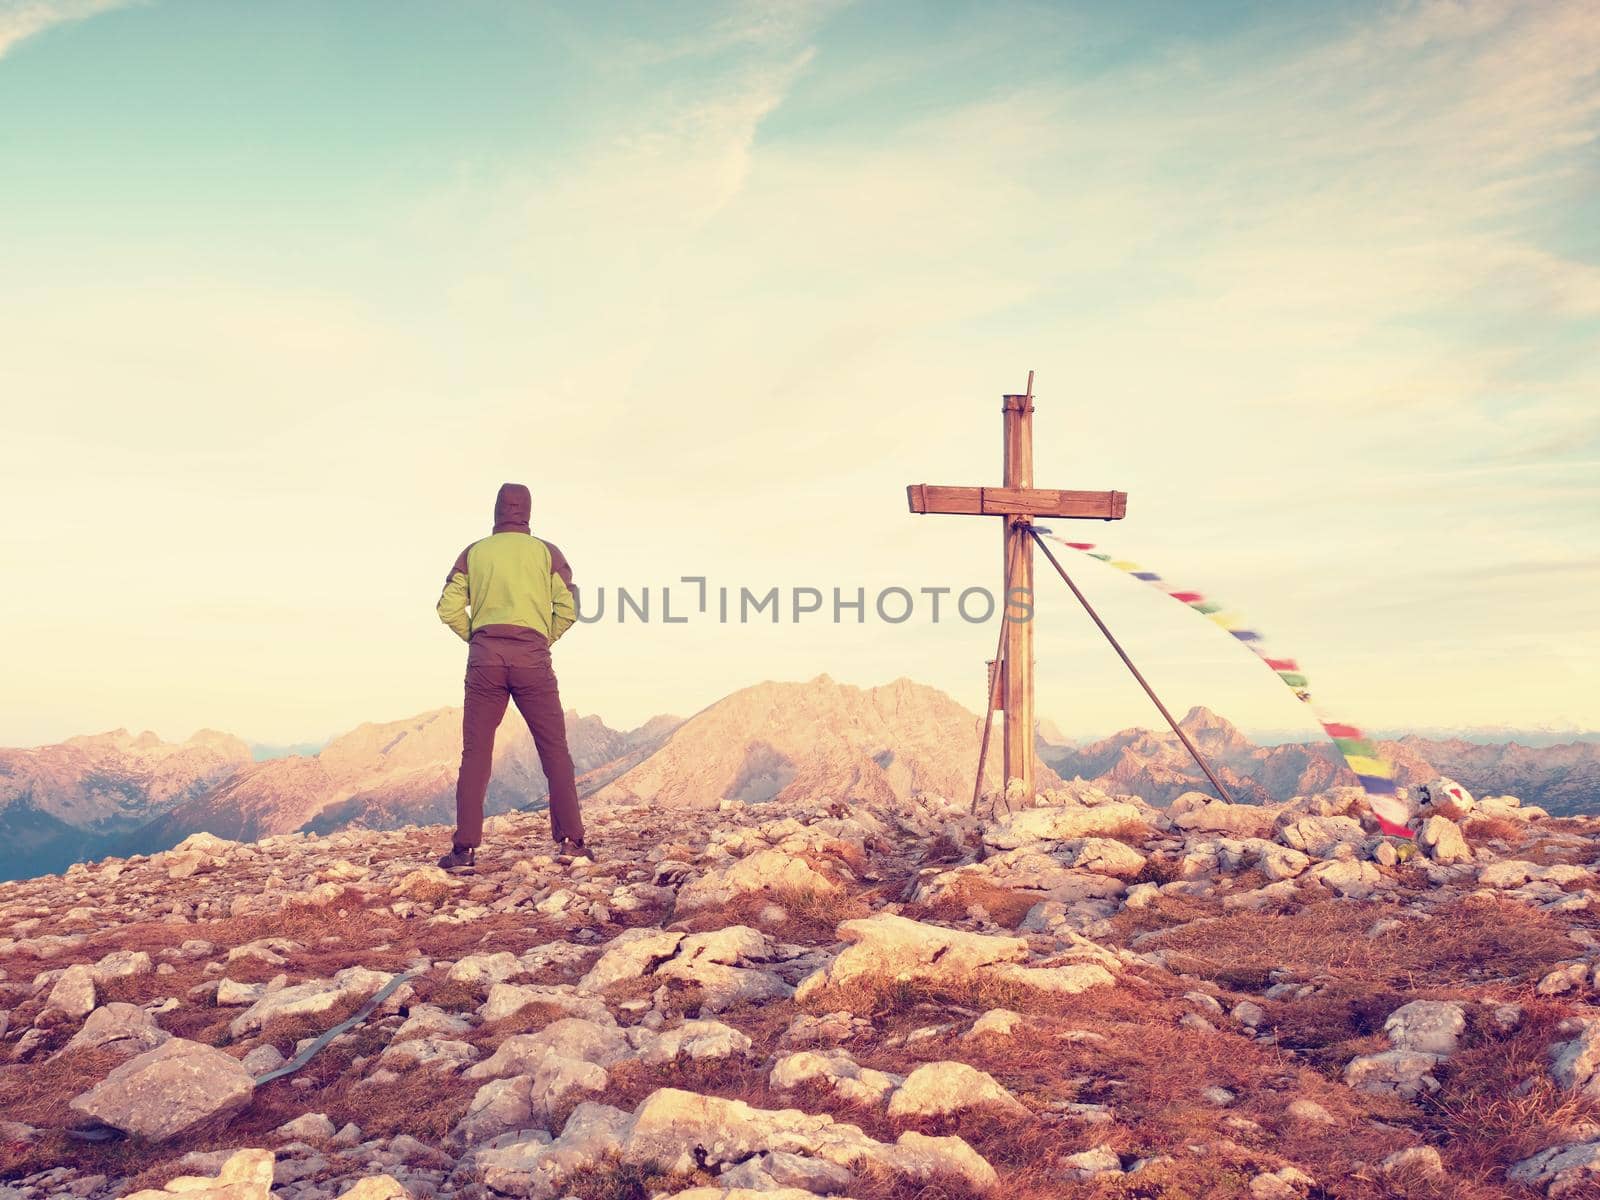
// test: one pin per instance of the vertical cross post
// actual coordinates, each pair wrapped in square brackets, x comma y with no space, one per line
[1017,566]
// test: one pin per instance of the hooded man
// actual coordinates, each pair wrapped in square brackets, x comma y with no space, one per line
[509,597]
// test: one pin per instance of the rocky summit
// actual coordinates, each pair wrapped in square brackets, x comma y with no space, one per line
[873,996]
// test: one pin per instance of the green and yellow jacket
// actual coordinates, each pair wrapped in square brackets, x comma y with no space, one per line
[509,584]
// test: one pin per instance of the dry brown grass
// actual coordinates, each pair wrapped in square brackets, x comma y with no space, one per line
[1005,906]
[610,1179]
[811,917]
[1474,941]
[1499,1102]
[1506,829]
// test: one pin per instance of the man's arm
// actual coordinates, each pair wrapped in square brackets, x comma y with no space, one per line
[452,606]
[563,604]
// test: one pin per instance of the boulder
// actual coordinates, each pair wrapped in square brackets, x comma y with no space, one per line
[899,948]
[1000,1022]
[1351,878]
[377,1187]
[308,1127]
[1317,836]
[1066,980]
[629,955]
[1103,856]
[765,870]
[1218,816]
[1420,1162]
[707,960]
[483,970]
[73,995]
[778,1173]
[1560,1170]
[1575,1063]
[244,1175]
[311,998]
[1092,1163]
[569,1038]
[1431,1026]
[506,999]
[1061,823]
[848,1079]
[1442,839]
[681,1129]
[498,1107]
[123,1028]
[122,964]
[165,1091]
[1402,1073]
[697,1040]
[939,1088]
[532,1165]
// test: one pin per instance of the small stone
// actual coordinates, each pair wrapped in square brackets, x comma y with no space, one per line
[1418,1161]
[1092,1163]
[1000,1022]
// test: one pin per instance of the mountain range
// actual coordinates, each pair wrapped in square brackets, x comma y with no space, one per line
[119,793]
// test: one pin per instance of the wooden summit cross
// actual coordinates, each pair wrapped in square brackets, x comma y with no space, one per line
[1018,502]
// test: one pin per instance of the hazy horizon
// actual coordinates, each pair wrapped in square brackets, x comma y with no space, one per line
[1261,735]
[291,289]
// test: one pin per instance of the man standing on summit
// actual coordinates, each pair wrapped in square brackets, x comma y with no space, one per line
[509,596]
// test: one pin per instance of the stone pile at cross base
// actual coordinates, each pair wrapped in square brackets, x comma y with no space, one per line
[837,998]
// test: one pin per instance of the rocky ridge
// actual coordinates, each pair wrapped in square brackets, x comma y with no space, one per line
[866,997]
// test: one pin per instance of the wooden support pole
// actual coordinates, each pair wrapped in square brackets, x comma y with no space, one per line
[1194,751]
[1017,560]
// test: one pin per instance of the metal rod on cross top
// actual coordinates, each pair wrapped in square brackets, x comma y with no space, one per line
[1183,737]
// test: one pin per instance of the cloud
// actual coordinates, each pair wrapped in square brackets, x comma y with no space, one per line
[21,19]
[743,26]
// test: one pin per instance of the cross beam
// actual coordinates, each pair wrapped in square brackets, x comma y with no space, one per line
[1017,501]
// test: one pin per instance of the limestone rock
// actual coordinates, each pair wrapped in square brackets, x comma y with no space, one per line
[1403,1073]
[1318,836]
[695,1040]
[708,961]
[244,1175]
[1560,1170]
[1247,820]
[377,1187]
[765,870]
[124,1028]
[835,1068]
[307,999]
[309,1127]
[1443,840]
[630,954]
[1061,823]
[1349,877]
[568,1038]
[506,999]
[1000,1022]
[165,1091]
[1093,1163]
[938,1088]
[1431,1026]
[1576,1062]
[900,948]
[1417,1161]
[73,995]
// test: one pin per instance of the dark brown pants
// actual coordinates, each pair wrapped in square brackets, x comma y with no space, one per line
[501,669]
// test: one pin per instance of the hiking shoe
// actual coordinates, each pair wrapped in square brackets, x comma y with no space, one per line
[572,849]
[460,858]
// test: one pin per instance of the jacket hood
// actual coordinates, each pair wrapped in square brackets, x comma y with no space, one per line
[512,508]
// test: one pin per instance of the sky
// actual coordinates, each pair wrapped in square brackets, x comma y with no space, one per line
[288,290]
